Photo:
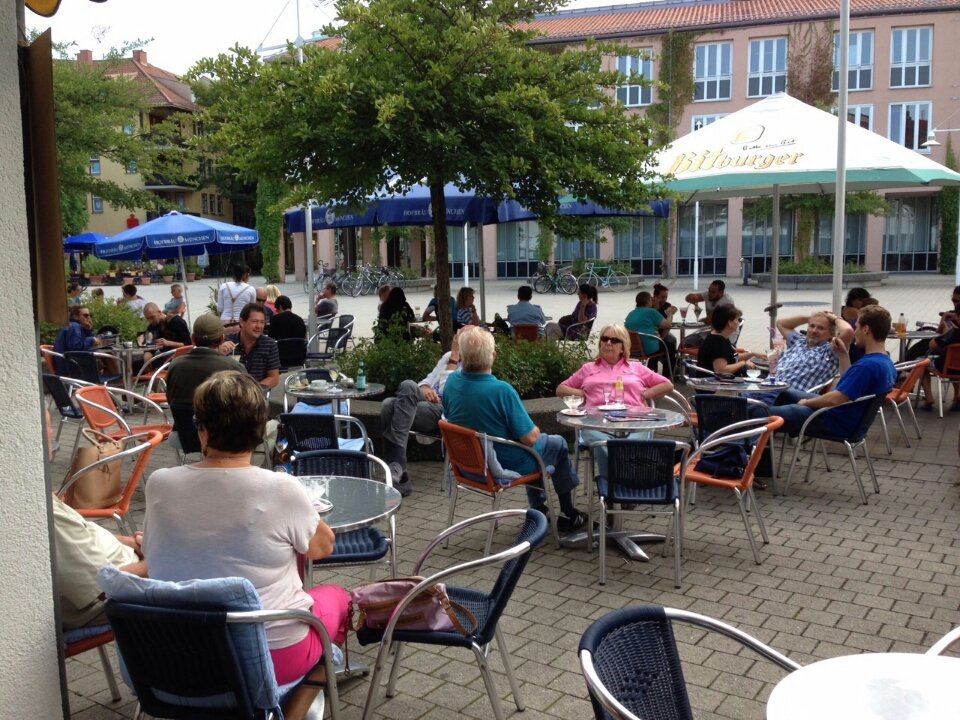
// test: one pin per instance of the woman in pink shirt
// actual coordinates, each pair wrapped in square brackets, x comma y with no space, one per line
[641,385]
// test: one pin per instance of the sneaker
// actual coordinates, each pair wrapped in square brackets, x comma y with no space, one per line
[570,523]
[401,481]
[405,487]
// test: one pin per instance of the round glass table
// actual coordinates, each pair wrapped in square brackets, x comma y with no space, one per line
[736,387]
[335,392]
[356,502]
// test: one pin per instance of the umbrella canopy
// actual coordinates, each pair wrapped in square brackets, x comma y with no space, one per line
[84,242]
[511,210]
[175,233]
[785,142]
[330,217]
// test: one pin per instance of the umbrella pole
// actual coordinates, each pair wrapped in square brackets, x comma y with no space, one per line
[840,198]
[483,286]
[310,262]
[775,264]
[696,246]
[183,274]
[466,255]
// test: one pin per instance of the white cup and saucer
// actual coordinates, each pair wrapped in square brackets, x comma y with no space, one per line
[319,385]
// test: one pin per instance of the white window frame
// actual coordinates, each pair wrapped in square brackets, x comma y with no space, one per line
[897,115]
[704,120]
[767,69]
[639,64]
[860,71]
[911,59]
[96,204]
[715,69]
[95,167]
[856,114]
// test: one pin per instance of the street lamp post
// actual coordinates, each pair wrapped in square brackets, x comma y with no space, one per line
[932,142]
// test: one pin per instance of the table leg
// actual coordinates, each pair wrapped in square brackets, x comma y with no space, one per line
[903,347]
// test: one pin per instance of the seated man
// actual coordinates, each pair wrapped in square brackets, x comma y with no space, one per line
[187,372]
[872,374]
[286,323]
[938,352]
[417,407]
[77,335]
[258,352]
[168,331]
[661,303]
[131,299]
[645,318]
[525,312]
[716,296]
[262,300]
[948,320]
[81,548]
[474,398]
[327,304]
[812,360]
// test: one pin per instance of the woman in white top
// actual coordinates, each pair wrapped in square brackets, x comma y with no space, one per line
[234,295]
[223,517]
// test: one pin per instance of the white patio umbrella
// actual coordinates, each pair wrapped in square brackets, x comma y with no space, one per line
[781,144]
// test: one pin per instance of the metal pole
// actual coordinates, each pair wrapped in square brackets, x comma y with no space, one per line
[183,274]
[311,300]
[840,204]
[696,246]
[466,255]
[483,285]
[775,262]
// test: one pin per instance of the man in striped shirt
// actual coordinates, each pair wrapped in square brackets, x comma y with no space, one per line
[258,352]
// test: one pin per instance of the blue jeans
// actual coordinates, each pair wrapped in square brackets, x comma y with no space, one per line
[600,453]
[794,415]
[553,450]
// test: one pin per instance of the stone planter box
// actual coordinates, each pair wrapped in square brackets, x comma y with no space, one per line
[798,282]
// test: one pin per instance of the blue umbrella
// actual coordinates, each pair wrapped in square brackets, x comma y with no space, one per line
[512,211]
[414,207]
[329,217]
[83,243]
[175,233]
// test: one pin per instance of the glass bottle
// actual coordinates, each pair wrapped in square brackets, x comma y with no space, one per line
[361,376]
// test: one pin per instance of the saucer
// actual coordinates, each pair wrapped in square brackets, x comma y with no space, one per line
[612,406]
[573,413]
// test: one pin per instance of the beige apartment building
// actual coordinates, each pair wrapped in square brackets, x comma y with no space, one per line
[168,95]
[904,82]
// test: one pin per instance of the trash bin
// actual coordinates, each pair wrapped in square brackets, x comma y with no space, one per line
[745,269]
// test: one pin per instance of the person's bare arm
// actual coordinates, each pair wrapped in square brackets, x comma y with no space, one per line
[830,399]
[668,320]
[842,351]
[844,330]
[321,544]
[659,390]
[429,394]
[568,390]
[694,298]
[138,568]
[720,365]
[787,325]
[531,437]
[271,379]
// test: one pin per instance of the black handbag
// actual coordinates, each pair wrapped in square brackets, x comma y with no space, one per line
[727,461]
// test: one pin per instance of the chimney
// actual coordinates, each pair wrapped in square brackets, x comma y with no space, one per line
[140,56]
[85,57]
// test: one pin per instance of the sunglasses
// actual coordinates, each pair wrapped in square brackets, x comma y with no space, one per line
[608,339]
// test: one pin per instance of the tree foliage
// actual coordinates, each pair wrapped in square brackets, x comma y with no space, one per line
[810,65]
[433,91]
[269,226]
[92,109]
[949,204]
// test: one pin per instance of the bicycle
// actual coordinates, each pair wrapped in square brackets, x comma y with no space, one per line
[551,280]
[611,279]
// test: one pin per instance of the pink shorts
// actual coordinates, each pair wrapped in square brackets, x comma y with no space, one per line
[330,605]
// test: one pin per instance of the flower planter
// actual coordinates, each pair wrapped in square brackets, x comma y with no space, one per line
[95,280]
[146,279]
[168,279]
[191,276]
[797,282]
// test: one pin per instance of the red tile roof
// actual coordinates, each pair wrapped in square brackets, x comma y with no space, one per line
[654,18]
[167,90]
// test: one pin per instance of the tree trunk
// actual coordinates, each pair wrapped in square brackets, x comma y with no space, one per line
[442,267]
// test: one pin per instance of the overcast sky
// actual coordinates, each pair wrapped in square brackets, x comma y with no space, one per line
[184,31]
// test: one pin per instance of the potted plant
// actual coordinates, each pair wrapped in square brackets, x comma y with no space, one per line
[193,269]
[95,268]
[146,277]
[168,272]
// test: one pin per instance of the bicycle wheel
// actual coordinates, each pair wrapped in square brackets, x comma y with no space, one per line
[352,284]
[541,283]
[568,283]
[367,284]
[589,278]
[397,279]
[619,281]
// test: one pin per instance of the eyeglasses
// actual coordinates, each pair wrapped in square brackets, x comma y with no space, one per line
[196,423]
[608,339]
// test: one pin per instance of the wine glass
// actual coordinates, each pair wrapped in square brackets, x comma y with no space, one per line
[753,373]
[697,310]
[683,313]
[607,394]
[573,402]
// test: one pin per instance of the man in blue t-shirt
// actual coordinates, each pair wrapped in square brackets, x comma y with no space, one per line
[872,374]
[475,399]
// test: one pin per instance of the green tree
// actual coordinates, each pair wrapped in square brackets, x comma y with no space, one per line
[92,109]
[269,226]
[433,91]
[949,204]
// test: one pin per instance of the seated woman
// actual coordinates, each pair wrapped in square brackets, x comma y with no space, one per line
[717,353]
[466,310]
[569,326]
[641,385]
[394,317]
[223,517]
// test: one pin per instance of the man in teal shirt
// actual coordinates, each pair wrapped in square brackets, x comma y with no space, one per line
[474,398]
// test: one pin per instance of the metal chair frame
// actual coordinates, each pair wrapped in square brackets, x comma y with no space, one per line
[900,396]
[469,475]
[673,699]
[513,558]
[945,643]
[637,351]
[333,422]
[69,412]
[949,374]
[858,440]
[90,408]
[336,340]
[98,641]
[75,359]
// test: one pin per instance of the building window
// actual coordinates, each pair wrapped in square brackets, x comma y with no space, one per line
[861,115]
[94,165]
[712,250]
[641,245]
[632,66]
[96,204]
[128,129]
[204,205]
[712,71]
[701,121]
[219,204]
[517,248]
[455,252]
[566,251]
[768,67]
[910,57]
[860,74]
[132,168]
[757,239]
[909,123]
[910,240]
[180,200]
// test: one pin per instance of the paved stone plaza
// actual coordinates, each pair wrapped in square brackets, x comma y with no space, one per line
[837,578]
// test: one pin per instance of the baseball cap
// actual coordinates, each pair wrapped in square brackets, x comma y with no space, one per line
[207,328]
